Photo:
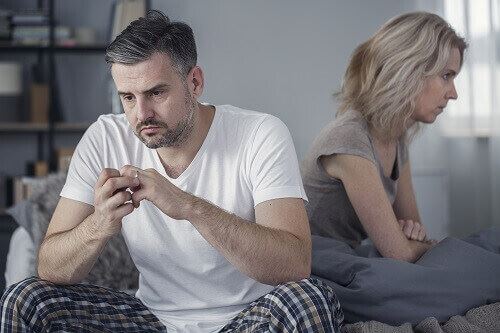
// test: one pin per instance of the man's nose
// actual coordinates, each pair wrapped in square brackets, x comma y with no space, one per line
[144,109]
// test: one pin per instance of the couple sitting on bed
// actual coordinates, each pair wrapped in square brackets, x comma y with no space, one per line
[210,200]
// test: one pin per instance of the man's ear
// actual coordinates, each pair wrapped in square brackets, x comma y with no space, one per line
[195,81]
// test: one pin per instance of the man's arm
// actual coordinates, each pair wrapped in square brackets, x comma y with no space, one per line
[274,249]
[78,232]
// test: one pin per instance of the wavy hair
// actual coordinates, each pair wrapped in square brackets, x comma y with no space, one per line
[388,71]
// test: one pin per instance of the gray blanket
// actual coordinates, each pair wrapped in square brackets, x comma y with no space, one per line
[484,319]
[451,278]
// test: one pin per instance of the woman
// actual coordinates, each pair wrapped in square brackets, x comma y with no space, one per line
[357,174]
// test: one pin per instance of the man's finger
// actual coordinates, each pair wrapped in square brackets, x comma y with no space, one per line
[105,175]
[116,184]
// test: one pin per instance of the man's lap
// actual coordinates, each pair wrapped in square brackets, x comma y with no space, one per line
[309,305]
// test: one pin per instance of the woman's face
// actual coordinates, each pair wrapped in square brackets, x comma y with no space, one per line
[438,89]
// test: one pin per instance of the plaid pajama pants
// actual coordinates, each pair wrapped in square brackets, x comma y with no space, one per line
[34,305]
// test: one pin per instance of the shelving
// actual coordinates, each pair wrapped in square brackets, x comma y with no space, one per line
[43,141]
[56,48]
[14,127]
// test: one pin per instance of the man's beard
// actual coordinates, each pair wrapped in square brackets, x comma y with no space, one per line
[174,137]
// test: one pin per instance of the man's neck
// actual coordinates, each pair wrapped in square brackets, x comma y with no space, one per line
[176,159]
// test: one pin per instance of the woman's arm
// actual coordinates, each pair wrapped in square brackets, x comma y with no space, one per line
[366,193]
[405,207]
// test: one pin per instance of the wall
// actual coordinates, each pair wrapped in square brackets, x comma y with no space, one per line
[281,57]
[286,58]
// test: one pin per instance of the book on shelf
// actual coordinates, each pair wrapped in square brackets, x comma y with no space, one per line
[30,17]
[40,35]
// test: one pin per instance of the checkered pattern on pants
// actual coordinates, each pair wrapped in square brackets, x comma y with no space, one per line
[39,306]
[305,306]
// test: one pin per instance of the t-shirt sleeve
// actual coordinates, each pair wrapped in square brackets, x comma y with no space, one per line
[85,166]
[274,168]
[348,139]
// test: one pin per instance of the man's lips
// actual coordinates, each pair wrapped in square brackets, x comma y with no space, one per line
[150,129]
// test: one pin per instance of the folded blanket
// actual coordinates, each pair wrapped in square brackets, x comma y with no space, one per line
[451,278]
[484,319]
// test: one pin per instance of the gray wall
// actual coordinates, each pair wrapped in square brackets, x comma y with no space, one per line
[280,57]
[285,58]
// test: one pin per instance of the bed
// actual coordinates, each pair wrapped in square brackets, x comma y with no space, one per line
[454,287]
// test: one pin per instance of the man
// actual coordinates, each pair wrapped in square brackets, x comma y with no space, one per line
[209,201]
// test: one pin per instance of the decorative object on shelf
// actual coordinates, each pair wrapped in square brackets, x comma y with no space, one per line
[10,90]
[39,103]
[64,158]
[39,97]
[37,168]
[125,12]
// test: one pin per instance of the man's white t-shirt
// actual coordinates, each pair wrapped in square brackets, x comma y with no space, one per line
[246,158]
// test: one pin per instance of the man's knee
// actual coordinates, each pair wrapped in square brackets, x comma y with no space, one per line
[310,298]
[24,293]
[308,288]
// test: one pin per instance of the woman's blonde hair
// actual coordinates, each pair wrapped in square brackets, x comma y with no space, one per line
[387,72]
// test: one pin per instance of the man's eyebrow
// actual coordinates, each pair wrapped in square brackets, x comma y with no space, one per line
[158,86]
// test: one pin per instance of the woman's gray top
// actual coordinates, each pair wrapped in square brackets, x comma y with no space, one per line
[329,209]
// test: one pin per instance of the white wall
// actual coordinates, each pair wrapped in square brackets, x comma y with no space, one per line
[284,57]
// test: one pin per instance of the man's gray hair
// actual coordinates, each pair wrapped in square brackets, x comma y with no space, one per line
[155,33]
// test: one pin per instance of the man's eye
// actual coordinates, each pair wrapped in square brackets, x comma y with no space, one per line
[128,98]
[157,92]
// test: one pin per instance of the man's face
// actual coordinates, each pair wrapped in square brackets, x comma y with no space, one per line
[157,101]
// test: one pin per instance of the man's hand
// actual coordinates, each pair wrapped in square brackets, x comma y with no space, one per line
[110,200]
[153,187]
[413,230]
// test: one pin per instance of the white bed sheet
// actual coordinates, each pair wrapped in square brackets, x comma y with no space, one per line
[21,257]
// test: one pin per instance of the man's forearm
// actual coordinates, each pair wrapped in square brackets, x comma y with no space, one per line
[68,257]
[267,255]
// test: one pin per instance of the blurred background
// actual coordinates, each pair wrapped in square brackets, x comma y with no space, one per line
[281,57]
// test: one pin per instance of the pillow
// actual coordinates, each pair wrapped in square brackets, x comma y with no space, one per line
[113,269]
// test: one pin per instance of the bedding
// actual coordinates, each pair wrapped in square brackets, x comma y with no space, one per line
[452,277]
[113,269]
[20,262]
[483,319]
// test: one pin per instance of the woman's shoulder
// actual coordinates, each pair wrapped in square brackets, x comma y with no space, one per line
[346,127]
[346,134]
